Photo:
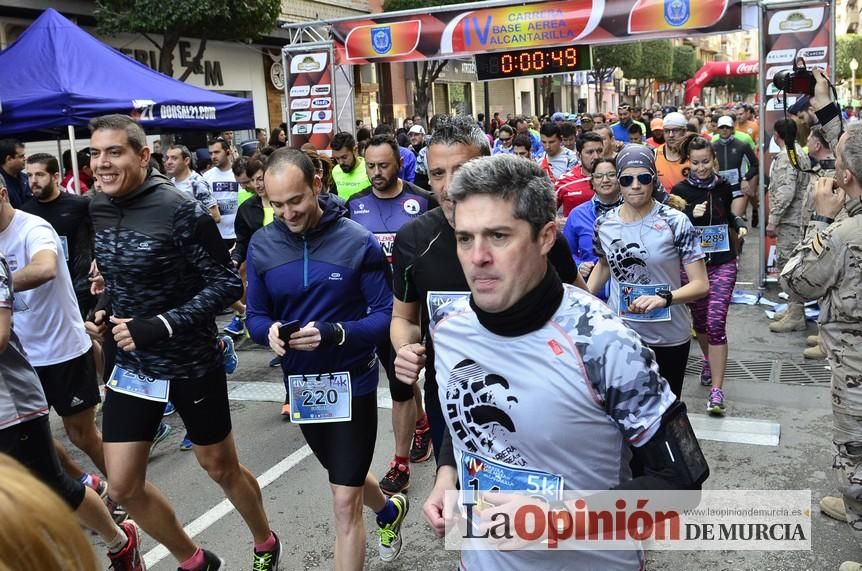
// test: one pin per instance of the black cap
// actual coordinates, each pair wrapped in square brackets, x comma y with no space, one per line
[801,104]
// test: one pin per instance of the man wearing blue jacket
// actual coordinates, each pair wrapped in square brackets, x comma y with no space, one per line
[321,275]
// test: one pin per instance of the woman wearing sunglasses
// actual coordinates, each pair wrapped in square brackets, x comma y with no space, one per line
[709,198]
[581,223]
[641,245]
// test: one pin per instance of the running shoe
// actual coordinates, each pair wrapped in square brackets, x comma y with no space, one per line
[285,409]
[275,362]
[169,409]
[389,534]
[236,326]
[118,514]
[421,449]
[396,480]
[129,557]
[161,434]
[99,485]
[706,374]
[186,444]
[212,562]
[229,353]
[267,560]
[715,404]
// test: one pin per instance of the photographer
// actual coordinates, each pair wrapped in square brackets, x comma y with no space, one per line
[827,266]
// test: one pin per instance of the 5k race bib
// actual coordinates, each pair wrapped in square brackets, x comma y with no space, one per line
[479,475]
[137,385]
[714,238]
[630,292]
[326,397]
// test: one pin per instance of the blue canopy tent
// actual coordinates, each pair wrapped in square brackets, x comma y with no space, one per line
[56,75]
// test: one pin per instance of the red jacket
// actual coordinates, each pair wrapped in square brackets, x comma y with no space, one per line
[573,188]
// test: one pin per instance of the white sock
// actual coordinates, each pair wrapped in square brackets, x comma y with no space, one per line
[119,542]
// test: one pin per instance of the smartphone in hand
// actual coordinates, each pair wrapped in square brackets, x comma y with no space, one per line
[285,330]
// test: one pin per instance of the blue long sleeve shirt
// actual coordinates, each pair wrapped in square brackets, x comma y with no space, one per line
[333,273]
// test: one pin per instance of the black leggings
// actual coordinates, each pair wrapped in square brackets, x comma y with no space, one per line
[671,365]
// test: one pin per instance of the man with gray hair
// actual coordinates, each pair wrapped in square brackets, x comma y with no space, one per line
[521,336]
[827,266]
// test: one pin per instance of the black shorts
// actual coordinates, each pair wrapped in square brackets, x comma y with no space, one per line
[71,386]
[346,449]
[400,392]
[32,444]
[202,403]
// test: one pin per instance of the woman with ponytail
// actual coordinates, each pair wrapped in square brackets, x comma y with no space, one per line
[708,199]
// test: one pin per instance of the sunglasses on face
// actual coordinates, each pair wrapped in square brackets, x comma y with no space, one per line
[505,140]
[628,180]
[601,175]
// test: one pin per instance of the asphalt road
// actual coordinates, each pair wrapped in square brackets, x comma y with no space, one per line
[297,498]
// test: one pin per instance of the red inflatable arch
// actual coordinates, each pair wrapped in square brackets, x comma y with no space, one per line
[712,69]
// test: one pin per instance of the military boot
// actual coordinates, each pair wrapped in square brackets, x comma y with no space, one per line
[833,506]
[850,566]
[812,340]
[815,353]
[794,320]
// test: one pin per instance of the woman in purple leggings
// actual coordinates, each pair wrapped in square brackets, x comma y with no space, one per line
[709,197]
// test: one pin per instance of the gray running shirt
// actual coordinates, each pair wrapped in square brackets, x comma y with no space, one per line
[21,395]
[650,251]
[563,401]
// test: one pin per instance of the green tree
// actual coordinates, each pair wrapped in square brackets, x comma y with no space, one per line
[607,58]
[847,47]
[426,72]
[684,63]
[226,20]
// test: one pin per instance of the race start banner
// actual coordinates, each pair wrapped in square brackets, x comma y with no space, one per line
[788,32]
[310,95]
[456,31]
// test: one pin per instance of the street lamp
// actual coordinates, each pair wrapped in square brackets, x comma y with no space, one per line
[854,65]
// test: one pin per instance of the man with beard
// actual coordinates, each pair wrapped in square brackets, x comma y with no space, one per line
[349,174]
[574,187]
[69,215]
[383,208]
[669,161]
[620,129]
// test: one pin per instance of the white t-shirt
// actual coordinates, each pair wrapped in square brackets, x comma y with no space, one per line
[47,318]
[225,189]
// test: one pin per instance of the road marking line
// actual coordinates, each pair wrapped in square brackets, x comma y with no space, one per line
[223,508]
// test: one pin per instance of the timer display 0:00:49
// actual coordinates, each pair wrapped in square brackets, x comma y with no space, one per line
[537,60]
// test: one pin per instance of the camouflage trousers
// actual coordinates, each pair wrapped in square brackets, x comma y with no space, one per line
[789,236]
[847,465]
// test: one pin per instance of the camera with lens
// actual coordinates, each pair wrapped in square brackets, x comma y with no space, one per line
[796,81]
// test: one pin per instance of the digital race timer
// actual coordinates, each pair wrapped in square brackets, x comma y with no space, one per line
[536,61]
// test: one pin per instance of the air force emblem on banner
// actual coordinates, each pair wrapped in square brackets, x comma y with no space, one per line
[381,39]
[677,12]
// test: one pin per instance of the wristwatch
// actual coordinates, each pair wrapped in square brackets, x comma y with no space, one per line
[340,336]
[666,295]
[821,218]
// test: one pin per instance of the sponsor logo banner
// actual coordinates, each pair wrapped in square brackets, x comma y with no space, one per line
[456,32]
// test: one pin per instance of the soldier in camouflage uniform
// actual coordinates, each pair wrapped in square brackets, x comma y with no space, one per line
[787,190]
[828,266]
